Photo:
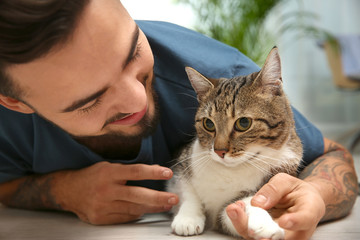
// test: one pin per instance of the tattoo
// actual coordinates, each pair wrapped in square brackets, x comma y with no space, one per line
[334,169]
[35,194]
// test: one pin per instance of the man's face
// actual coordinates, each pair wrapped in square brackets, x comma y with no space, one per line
[99,82]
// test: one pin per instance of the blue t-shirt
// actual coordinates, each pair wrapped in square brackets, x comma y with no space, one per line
[30,144]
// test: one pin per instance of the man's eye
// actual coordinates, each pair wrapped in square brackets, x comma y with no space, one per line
[137,52]
[91,107]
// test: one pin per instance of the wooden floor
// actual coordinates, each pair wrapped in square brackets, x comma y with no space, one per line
[19,224]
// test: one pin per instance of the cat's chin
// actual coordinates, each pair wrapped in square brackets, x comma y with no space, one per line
[227,162]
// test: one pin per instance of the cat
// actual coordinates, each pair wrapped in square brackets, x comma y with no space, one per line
[245,135]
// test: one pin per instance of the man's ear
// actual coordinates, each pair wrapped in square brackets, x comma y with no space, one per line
[15,105]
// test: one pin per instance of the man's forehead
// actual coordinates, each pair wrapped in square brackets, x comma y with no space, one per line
[95,46]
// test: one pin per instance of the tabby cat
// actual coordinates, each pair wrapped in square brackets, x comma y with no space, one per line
[245,135]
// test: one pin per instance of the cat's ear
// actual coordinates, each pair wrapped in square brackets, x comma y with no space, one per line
[269,76]
[201,84]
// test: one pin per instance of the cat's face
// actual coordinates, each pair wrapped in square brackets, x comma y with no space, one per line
[242,117]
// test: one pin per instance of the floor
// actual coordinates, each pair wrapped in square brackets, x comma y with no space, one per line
[35,225]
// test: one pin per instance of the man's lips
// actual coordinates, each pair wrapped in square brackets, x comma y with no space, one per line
[131,118]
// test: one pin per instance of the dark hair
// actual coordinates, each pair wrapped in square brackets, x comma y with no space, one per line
[29,29]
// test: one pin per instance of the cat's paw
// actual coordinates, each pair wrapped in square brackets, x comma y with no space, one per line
[261,225]
[188,225]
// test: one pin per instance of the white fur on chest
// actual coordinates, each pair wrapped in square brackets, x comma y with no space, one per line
[217,184]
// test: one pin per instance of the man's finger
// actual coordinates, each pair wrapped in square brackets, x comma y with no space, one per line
[142,172]
[271,193]
[145,196]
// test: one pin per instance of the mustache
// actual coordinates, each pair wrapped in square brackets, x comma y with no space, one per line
[115,118]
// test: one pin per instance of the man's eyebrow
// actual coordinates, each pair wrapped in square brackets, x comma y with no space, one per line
[79,103]
[134,43]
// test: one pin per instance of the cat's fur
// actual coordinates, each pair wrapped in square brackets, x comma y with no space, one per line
[228,162]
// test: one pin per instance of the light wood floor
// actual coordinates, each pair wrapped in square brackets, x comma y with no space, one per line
[30,225]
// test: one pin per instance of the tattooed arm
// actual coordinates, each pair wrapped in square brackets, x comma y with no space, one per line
[334,176]
[31,192]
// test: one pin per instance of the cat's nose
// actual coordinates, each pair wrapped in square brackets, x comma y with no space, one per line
[221,152]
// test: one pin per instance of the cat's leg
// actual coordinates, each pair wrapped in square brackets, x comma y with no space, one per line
[260,223]
[190,219]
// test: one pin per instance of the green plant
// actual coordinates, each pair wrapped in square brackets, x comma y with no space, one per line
[241,24]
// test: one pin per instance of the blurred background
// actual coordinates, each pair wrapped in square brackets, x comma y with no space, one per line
[325,95]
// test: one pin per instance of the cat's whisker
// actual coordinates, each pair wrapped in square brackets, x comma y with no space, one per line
[194,161]
[265,169]
[190,108]
[305,127]
[199,163]
[193,135]
[199,154]
[195,164]
[189,95]
[189,157]
[259,167]
[285,165]
[262,156]
[178,161]
[260,159]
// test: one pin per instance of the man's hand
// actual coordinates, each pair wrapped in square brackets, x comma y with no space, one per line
[293,203]
[325,190]
[97,194]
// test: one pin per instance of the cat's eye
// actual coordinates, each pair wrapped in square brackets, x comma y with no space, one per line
[208,125]
[242,124]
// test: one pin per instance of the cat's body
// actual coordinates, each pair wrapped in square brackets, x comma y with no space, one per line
[245,135]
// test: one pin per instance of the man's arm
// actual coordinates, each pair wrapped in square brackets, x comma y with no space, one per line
[333,174]
[31,192]
[97,194]
[325,190]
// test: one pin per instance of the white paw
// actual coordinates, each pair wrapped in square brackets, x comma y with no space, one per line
[188,225]
[261,225]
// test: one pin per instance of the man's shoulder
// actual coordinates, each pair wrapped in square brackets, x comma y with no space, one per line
[175,47]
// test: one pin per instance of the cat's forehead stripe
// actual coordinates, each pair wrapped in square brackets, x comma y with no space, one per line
[226,89]
[233,84]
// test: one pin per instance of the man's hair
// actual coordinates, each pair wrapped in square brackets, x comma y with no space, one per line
[29,29]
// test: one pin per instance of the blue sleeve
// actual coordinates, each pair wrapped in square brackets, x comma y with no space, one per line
[311,138]
[16,144]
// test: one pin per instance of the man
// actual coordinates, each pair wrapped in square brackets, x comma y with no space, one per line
[81,90]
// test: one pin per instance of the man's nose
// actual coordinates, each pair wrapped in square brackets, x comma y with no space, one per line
[130,96]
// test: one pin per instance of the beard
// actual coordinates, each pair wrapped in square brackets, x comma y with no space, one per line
[120,145]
